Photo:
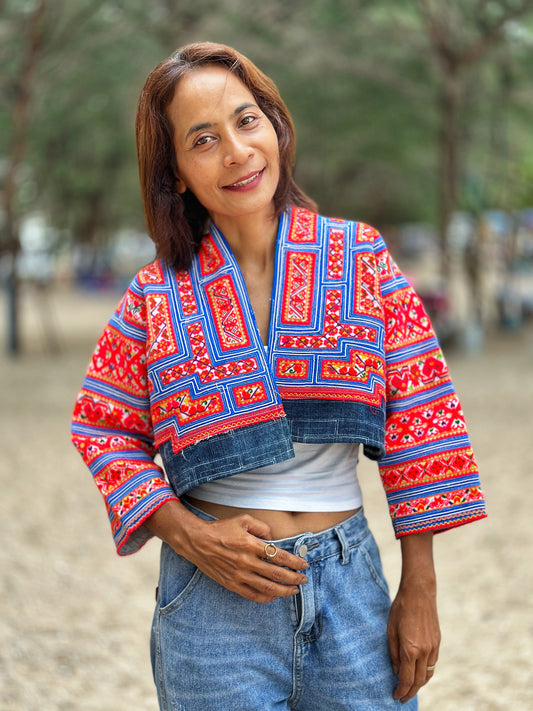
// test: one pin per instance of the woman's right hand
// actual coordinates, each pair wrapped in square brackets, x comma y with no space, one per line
[231,551]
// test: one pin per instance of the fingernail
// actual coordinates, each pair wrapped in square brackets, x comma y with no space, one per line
[295,591]
[305,564]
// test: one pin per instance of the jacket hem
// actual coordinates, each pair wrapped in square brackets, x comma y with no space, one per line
[136,535]
[408,528]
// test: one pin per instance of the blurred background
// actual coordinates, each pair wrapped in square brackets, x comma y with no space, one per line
[413,115]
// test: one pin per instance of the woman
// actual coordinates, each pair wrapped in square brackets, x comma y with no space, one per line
[262,348]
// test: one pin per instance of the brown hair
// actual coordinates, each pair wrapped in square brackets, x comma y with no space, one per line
[177,222]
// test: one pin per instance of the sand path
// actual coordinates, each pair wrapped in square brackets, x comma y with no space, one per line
[75,618]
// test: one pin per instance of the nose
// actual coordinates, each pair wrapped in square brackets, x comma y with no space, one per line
[237,151]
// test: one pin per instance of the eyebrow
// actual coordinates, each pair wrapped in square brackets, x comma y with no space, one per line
[202,126]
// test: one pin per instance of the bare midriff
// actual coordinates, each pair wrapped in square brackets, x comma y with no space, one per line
[283,524]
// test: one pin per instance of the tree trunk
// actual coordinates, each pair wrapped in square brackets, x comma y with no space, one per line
[448,163]
[21,121]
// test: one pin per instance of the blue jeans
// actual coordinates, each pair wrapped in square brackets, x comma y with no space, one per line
[325,648]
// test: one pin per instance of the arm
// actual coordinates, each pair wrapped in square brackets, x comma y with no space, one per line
[230,552]
[112,427]
[429,471]
[413,629]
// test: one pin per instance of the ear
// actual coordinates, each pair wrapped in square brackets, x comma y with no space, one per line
[180,185]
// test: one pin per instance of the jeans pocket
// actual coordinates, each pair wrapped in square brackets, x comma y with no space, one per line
[370,554]
[177,579]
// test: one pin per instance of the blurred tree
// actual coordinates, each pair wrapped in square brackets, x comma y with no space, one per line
[461,36]
[20,89]
[72,72]
[349,77]
[393,99]
[382,92]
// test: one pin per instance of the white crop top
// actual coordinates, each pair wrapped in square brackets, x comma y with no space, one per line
[321,477]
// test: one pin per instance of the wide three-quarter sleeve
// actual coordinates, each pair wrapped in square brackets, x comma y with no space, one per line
[112,427]
[429,472]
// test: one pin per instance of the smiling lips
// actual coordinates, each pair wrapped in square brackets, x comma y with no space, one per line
[245,182]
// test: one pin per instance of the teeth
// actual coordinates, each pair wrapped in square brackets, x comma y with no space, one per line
[246,182]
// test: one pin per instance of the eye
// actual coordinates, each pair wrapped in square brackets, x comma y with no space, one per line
[204,140]
[248,119]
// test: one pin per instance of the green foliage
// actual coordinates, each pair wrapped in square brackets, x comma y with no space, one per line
[361,78]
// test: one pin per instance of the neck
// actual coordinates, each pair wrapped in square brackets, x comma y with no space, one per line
[252,239]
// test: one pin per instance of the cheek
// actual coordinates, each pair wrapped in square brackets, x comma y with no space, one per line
[275,149]
[277,160]
[198,177]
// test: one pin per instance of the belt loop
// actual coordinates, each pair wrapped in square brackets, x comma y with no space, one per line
[345,557]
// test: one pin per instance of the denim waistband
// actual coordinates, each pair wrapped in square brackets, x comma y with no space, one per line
[337,540]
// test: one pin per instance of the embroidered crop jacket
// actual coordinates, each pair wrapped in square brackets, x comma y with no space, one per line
[181,370]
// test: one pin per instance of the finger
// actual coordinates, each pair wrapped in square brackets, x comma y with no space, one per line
[420,678]
[430,669]
[236,568]
[394,648]
[278,556]
[261,530]
[271,580]
[257,528]
[270,589]
[256,595]
[406,680]
[279,574]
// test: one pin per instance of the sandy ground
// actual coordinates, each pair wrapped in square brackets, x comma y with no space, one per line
[75,618]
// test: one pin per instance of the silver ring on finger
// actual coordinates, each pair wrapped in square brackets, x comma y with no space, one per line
[271,550]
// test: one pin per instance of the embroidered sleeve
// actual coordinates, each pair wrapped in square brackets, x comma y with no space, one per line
[112,426]
[429,472]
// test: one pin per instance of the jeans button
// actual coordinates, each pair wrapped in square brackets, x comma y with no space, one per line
[302,551]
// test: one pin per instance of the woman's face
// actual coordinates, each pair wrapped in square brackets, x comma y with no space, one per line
[226,148]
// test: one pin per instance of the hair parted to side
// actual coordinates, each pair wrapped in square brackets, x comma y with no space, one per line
[176,222]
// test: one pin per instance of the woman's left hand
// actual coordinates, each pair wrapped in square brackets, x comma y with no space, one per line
[413,628]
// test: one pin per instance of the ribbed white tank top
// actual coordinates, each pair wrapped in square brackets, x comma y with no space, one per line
[321,477]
